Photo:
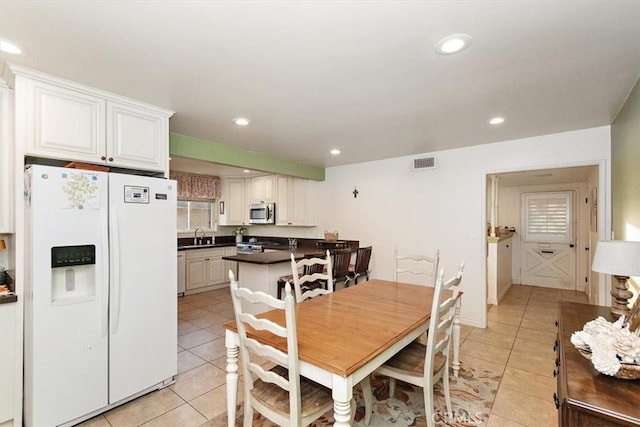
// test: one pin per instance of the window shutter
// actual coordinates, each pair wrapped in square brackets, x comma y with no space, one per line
[548,217]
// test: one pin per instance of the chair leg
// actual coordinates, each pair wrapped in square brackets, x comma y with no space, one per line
[447,392]
[367,394]
[248,415]
[353,410]
[429,413]
[280,287]
[392,386]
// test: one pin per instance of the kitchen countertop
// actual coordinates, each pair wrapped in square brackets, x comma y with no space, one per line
[265,258]
[197,247]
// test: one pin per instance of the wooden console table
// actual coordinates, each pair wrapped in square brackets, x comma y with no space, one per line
[586,397]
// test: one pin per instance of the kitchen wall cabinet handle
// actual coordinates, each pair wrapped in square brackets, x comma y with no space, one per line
[547,252]
[111,159]
[103,158]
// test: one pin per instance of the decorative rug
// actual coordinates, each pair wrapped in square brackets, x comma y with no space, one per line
[472,396]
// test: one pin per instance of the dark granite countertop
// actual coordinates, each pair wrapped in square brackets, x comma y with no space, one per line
[197,247]
[265,258]
[9,280]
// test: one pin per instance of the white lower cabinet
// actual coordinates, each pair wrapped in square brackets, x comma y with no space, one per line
[204,267]
[7,367]
[230,265]
[182,273]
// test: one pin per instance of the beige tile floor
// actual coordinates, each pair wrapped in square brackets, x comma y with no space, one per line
[517,343]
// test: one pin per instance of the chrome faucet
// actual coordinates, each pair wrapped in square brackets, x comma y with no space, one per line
[195,236]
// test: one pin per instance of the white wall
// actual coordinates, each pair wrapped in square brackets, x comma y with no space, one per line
[444,208]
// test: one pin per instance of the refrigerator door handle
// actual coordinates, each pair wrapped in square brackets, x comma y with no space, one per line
[115,276]
[105,275]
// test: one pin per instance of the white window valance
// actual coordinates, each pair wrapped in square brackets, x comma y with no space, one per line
[192,186]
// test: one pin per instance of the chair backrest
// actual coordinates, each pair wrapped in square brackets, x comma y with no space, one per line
[341,261]
[441,321]
[313,270]
[420,269]
[254,353]
[363,257]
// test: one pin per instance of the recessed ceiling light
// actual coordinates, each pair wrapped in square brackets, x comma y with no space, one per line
[335,151]
[241,121]
[453,44]
[7,46]
[246,171]
[496,120]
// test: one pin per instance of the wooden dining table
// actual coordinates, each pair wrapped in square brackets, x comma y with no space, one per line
[346,335]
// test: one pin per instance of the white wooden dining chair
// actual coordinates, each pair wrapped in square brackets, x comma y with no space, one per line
[279,394]
[424,365]
[416,268]
[315,271]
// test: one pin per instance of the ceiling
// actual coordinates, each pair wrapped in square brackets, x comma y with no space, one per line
[360,76]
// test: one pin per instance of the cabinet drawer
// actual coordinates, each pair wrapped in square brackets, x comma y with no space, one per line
[204,253]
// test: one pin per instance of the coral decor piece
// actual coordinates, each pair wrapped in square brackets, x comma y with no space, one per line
[610,346]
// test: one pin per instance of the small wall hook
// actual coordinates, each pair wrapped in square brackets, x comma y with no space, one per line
[355,192]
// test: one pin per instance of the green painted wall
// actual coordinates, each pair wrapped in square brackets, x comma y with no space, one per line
[625,173]
[194,148]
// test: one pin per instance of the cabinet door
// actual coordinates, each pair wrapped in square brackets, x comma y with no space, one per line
[182,272]
[8,344]
[64,124]
[196,273]
[136,138]
[215,268]
[255,190]
[6,161]
[298,204]
[236,209]
[292,205]
[230,265]
[283,214]
[262,189]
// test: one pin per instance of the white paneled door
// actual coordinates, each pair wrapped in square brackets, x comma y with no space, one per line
[548,250]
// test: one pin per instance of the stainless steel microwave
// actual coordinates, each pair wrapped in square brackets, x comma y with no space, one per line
[262,213]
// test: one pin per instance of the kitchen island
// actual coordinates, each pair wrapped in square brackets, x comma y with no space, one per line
[261,271]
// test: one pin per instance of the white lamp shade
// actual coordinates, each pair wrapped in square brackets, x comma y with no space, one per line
[617,257]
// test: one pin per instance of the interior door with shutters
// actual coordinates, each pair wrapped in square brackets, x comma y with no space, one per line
[547,250]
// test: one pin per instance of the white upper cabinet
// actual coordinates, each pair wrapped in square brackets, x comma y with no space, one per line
[292,207]
[63,123]
[68,121]
[234,199]
[6,160]
[136,137]
[263,189]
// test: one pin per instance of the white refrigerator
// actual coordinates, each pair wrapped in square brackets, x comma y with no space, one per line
[100,306]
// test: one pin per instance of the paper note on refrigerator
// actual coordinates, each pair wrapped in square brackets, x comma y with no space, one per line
[81,189]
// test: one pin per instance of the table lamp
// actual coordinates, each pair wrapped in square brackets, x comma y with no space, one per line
[620,259]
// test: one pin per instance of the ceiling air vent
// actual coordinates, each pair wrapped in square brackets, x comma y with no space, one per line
[423,163]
